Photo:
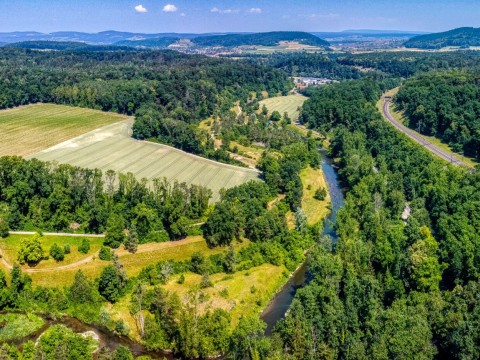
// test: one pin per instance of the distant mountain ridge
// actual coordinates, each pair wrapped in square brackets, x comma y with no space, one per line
[101,38]
[462,37]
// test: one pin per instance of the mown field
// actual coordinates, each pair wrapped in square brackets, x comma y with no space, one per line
[112,148]
[282,104]
[28,129]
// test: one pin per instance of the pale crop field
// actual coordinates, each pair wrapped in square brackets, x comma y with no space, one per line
[26,130]
[112,148]
[282,104]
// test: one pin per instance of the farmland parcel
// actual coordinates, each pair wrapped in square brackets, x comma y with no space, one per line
[112,148]
[28,129]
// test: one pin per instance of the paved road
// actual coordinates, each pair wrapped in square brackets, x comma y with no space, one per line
[411,134]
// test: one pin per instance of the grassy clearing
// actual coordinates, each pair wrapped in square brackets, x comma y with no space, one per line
[243,293]
[17,326]
[282,104]
[112,148]
[315,210]
[28,129]
[400,117]
[147,254]
[11,245]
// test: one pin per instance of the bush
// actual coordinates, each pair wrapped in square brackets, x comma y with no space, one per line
[57,252]
[121,328]
[66,249]
[31,251]
[206,282]
[105,253]
[122,353]
[3,228]
[84,246]
[181,279]
[320,194]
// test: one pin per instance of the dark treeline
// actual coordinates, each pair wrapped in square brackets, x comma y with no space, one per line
[445,105]
[402,280]
[46,196]
[406,64]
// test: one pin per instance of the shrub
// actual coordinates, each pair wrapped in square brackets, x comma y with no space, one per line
[84,246]
[181,279]
[3,228]
[66,249]
[57,252]
[320,194]
[31,250]
[206,282]
[105,253]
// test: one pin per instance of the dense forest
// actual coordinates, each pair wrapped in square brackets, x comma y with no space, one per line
[168,92]
[157,43]
[445,105]
[260,39]
[398,284]
[463,37]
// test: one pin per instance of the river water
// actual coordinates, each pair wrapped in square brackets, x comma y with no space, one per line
[280,304]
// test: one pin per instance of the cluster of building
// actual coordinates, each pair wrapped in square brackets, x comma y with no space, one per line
[304,82]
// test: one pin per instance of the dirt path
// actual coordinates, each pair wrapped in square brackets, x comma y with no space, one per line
[417,138]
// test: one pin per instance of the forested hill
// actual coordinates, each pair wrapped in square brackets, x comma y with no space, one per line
[159,43]
[63,46]
[261,39]
[463,37]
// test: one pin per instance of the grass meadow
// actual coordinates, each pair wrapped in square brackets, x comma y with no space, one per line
[282,104]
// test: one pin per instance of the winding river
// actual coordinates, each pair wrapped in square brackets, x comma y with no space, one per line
[280,304]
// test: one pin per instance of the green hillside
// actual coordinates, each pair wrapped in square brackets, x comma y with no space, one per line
[462,37]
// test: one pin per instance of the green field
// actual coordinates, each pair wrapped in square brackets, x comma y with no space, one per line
[282,104]
[52,273]
[112,148]
[28,129]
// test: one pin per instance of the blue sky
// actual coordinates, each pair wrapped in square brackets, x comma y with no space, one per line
[153,16]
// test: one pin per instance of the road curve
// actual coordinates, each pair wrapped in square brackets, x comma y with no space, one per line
[417,138]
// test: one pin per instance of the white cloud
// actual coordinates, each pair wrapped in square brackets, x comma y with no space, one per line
[183,14]
[140,9]
[224,11]
[255,11]
[170,8]
[320,16]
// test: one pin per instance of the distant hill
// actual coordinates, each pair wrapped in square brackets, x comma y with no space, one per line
[462,37]
[156,43]
[260,39]
[63,45]
[101,38]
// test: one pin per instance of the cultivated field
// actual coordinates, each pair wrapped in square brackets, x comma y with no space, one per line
[112,148]
[282,104]
[28,129]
